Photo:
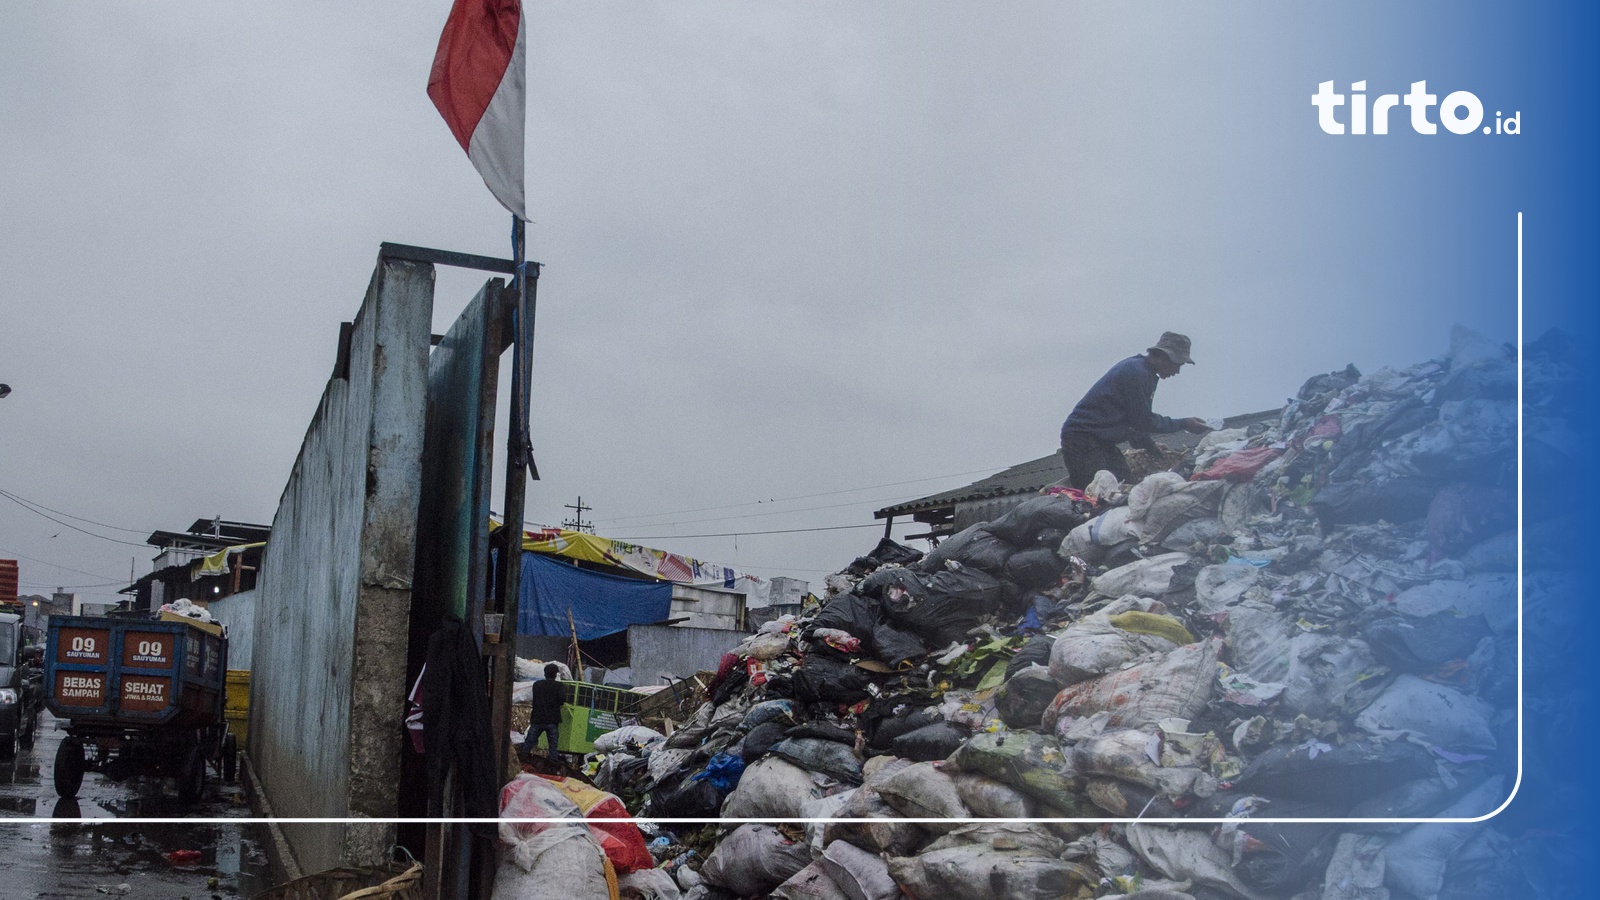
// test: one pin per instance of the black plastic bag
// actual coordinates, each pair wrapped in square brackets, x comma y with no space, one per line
[823,679]
[1034,569]
[891,727]
[1340,776]
[1421,646]
[1024,522]
[895,647]
[1395,500]
[1282,856]
[685,799]
[1036,652]
[758,740]
[822,731]
[830,758]
[908,580]
[890,553]
[850,613]
[1023,698]
[929,743]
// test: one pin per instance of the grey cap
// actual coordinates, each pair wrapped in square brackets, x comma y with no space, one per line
[1175,346]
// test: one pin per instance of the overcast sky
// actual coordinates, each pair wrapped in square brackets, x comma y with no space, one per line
[801,261]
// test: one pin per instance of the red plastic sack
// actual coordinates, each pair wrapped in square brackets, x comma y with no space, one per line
[1240,466]
[622,842]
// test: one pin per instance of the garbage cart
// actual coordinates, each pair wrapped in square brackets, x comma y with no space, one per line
[140,696]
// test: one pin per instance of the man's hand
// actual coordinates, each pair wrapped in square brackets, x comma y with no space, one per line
[1195,425]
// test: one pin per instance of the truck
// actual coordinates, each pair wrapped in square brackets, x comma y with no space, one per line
[139,696]
[20,685]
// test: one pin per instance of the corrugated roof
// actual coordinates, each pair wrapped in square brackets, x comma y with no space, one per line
[1032,476]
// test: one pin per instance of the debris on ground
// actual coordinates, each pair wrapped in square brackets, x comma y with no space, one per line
[1310,619]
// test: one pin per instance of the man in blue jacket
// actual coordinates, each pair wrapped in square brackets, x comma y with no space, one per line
[1117,409]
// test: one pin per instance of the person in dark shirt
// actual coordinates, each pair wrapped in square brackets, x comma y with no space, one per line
[1117,409]
[545,719]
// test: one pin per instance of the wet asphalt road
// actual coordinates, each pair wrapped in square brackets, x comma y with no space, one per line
[61,860]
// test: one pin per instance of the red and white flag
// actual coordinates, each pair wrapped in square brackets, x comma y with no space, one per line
[479,84]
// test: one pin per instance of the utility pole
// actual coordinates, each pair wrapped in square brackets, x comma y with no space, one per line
[576,522]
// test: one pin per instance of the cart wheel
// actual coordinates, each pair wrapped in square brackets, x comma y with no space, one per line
[230,757]
[69,767]
[192,775]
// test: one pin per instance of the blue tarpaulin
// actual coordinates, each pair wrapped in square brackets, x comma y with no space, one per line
[601,604]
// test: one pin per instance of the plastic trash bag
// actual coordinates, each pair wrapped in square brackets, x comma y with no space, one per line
[1339,776]
[770,789]
[1164,500]
[754,859]
[1023,698]
[1023,522]
[930,742]
[1031,763]
[1149,577]
[810,883]
[779,711]
[1187,854]
[990,799]
[1126,755]
[1033,569]
[627,736]
[975,872]
[924,790]
[885,833]
[1416,861]
[830,758]
[861,875]
[722,771]
[1175,686]
[1437,714]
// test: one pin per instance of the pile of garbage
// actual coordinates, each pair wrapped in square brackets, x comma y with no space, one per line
[1311,619]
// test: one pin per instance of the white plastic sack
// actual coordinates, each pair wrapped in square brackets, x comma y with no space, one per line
[1415,862]
[1188,854]
[1356,870]
[822,808]
[1028,840]
[810,883]
[859,874]
[647,884]
[1492,596]
[1258,639]
[1164,500]
[568,870]
[1129,755]
[1175,686]
[763,646]
[771,788]
[987,798]
[634,735]
[1330,676]
[977,872]
[921,791]
[1437,714]
[1092,647]
[1219,587]
[1105,530]
[754,859]
[1150,577]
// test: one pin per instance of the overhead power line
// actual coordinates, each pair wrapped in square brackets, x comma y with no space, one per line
[26,504]
[71,516]
[747,533]
[871,487]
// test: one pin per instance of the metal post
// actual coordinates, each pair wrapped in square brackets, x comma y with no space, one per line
[519,466]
